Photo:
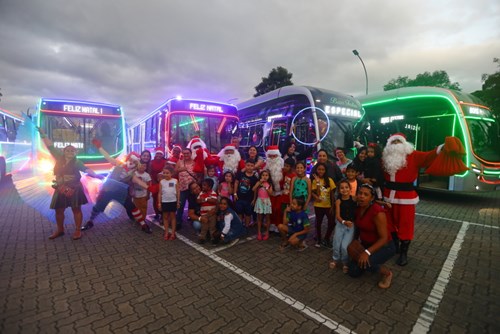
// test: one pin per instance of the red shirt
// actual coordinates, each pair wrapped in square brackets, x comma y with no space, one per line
[366,225]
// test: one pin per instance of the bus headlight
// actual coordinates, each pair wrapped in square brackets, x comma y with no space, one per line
[475,170]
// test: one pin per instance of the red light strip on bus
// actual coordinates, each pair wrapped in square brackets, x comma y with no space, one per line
[195,124]
[221,126]
[77,114]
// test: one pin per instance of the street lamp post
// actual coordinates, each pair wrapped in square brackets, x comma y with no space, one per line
[356,53]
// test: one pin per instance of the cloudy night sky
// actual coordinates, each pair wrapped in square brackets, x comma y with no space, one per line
[140,53]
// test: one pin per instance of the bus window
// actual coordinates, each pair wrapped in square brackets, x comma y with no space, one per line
[3,129]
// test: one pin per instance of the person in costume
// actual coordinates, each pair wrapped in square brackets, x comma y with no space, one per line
[275,164]
[116,187]
[69,190]
[401,164]
[199,153]
[155,168]
[175,155]
[229,159]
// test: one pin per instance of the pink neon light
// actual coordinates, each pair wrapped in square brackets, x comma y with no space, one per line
[196,126]
[77,113]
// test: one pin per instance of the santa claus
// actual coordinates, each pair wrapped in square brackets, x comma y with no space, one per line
[199,154]
[175,155]
[275,163]
[229,159]
[401,164]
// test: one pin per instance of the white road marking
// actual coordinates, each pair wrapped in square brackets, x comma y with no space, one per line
[431,305]
[458,221]
[306,310]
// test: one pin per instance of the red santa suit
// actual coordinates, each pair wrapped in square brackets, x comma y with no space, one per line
[199,154]
[400,191]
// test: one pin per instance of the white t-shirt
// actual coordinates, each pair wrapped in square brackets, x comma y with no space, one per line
[168,190]
[140,192]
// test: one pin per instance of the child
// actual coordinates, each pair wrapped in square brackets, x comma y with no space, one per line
[262,202]
[141,195]
[168,201]
[286,185]
[245,181]
[344,229]
[232,227]
[226,187]
[211,175]
[301,185]
[208,201]
[295,225]
[324,202]
[374,174]
[352,176]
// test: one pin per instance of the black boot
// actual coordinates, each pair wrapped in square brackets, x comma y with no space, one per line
[395,239]
[403,256]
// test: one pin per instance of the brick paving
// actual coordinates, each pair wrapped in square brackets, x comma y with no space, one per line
[117,279]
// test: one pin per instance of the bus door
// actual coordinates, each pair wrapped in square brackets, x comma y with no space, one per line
[278,133]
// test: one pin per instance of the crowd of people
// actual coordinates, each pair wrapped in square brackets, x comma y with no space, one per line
[369,199]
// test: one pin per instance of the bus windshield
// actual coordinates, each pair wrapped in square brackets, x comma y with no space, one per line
[485,138]
[215,130]
[79,132]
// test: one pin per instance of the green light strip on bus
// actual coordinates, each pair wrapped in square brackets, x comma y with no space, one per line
[481,118]
[457,112]
[491,172]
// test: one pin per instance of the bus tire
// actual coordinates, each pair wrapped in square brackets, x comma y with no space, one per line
[3,169]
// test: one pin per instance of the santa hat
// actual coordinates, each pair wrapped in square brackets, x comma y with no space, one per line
[159,150]
[397,136]
[227,147]
[273,150]
[134,156]
[196,141]
[178,147]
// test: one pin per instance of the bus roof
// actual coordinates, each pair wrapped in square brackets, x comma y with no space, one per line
[313,93]
[409,92]
[79,102]
[11,114]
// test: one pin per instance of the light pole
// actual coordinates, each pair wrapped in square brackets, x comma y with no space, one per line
[356,53]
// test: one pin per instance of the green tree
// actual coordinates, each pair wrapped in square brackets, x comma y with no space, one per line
[490,92]
[434,79]
[278,77]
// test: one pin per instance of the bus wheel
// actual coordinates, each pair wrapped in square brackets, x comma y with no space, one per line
[3,169]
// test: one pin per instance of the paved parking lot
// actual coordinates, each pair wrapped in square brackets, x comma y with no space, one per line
[118,279]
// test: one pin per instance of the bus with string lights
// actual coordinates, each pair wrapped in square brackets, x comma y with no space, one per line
[178,120]
[15,143]
[310,116]
[76,122]
[426,115]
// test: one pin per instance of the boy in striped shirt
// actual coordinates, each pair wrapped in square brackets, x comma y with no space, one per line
[208,201]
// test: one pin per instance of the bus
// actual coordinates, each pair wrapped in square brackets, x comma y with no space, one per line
[426,115]
[178,120]
[302,113]
[77,122]
[15,144]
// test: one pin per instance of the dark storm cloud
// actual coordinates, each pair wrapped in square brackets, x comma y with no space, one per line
[138,54]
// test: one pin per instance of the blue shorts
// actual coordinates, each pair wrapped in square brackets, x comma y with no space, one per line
[243,207]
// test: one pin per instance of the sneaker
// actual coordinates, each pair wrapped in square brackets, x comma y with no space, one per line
[385,283]
[317,245]
[166,236]
[259,236]
[172,237]
[266,236]
[87,226]
[302,247]
[146,229]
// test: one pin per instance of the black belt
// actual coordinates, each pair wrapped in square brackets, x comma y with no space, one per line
[401,186]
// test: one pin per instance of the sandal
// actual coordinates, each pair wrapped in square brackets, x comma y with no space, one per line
[284,246]
[56,235]
[385,283]
[345,268]
[173,237]
[166,236]
[332,265]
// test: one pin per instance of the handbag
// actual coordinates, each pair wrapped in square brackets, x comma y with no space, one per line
[355,249]
[65,190]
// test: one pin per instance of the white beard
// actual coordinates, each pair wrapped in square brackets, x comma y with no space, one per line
[231,162]
[275,167]
[394,157]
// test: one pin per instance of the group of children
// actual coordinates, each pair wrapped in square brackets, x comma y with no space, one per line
[255,200]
